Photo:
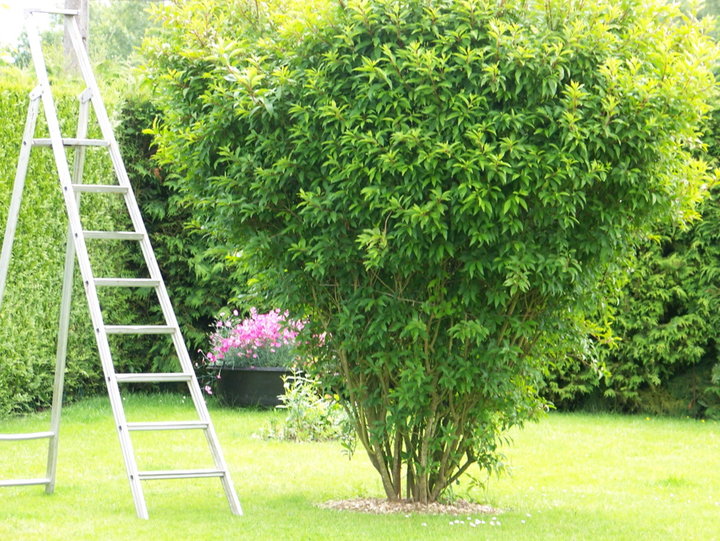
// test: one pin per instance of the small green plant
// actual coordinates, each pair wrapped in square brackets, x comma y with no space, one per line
[711,395]
[311,414]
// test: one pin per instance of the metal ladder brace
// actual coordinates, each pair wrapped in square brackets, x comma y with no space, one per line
[71,184]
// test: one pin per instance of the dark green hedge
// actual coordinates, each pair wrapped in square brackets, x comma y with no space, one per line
[667,322]
[199,279]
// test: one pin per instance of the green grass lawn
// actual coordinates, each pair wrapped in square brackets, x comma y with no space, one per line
[573,477]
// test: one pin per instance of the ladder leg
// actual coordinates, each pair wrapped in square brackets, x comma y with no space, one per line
[127,450]
[226,480]
[65,305]
[60,363]
[215,449]
[151,262]
[19,185]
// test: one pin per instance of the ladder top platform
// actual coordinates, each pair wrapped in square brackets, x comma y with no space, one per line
[52,11]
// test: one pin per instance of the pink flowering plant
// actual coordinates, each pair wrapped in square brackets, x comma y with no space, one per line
[259,340]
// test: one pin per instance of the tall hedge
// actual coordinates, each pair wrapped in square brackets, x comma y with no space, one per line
[30,310]
[665,356]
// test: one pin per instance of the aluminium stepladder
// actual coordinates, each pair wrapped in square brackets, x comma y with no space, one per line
[71,185]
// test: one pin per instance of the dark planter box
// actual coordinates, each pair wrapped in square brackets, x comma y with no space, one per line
[258,386]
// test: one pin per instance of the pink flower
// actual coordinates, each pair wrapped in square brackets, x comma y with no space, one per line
[254,337]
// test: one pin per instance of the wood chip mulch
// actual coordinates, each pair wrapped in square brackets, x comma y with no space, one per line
[382,506]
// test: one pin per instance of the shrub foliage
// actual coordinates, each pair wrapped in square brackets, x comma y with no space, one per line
[438,186]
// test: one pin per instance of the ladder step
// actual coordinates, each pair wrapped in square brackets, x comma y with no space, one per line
[179,474]
[140,329]
[159,377]
[72,142]
[26,436]
[113,235]
[126,282]
[24,482]
[100,188]
[168,425]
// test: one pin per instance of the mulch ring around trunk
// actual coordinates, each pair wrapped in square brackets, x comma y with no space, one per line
[382,506]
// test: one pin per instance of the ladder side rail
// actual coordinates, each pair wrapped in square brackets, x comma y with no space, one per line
[60,362]
[123,179]
[121,173]
[65,303]
[186,366]
[133,207]
[97,102]
[85,270]
[18,187]
[151,262]
[130,201]
[214,446]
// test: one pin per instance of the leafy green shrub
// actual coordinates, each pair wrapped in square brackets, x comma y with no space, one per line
[438,186]
[30,310]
